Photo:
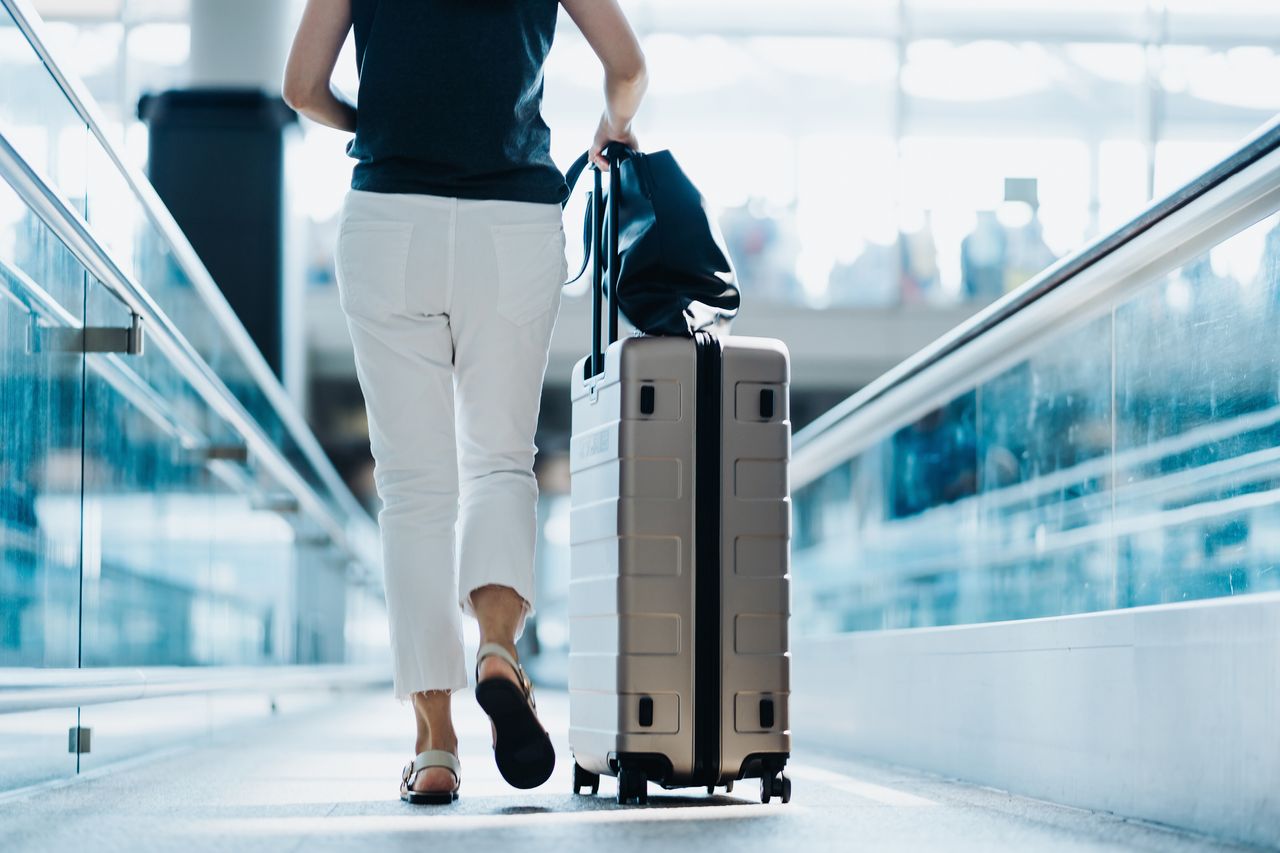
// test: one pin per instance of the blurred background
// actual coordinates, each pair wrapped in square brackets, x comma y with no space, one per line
[187,511]
[880,172]
[917,154]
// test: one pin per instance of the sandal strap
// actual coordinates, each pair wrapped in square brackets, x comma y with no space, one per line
[433,758]
[493,650]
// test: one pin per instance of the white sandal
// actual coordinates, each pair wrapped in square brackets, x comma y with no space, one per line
[423,761]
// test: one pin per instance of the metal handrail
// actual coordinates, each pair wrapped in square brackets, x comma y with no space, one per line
[29,24]
[33,689]
[1244,184]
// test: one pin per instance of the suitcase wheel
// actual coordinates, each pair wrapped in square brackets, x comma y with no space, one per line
[775,785]
[585,779]
[633,787]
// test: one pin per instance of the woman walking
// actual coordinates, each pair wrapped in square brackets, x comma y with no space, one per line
[450,263]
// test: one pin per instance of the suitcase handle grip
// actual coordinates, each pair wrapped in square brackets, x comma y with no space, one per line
[599,225]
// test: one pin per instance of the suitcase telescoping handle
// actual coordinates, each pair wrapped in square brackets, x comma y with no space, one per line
[598,229]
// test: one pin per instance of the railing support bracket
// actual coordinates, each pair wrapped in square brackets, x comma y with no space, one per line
[117,340]
[79,739]
[223,453]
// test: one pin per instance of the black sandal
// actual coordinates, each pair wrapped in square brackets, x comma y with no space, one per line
[422,761]
[521,746]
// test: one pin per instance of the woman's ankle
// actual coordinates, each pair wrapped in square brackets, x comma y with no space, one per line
[499,612]
[435,721]
[507,642]
[447,742]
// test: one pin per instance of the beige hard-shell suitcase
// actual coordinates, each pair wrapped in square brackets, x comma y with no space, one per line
[679,664]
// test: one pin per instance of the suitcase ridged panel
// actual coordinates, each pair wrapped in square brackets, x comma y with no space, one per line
[631,596]
[755,514]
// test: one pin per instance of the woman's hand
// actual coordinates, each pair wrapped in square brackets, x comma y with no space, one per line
[607,133]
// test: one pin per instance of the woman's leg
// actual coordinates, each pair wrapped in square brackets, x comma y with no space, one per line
[434,716]
[399,326]
[500,610]
[511,266]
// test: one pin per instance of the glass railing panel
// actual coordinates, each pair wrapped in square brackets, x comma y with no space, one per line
[1040,546]
[194,561]
[1127,461]
[1198,426]
[40,421]
[83,170]
[120,219]
[41,403]
[320,592]
[147,535]
[247,616]
[136,529]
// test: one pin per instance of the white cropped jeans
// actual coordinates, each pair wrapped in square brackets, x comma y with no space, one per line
[450,304]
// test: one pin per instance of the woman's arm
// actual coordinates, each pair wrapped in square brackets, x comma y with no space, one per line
[307,77]
[625,77]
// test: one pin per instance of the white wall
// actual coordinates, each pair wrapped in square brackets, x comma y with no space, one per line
[1168,713]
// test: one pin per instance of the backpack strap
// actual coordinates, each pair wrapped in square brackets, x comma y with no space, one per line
[571,178]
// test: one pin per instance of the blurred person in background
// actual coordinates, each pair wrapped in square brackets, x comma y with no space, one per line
[983,254]
[918,279]
[1027,253]
[870,279]
[763,248]
[450,264]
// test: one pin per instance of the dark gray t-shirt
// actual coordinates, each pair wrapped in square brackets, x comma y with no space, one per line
[451,97]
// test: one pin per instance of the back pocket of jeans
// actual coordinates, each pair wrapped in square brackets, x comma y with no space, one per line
[373,259]
[531,269]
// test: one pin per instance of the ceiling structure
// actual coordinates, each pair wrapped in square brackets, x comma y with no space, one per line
[1205,22]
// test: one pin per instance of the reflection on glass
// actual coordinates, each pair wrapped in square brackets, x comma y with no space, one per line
[1127,462]
[167,557]
[134,528]
[122,542]
[40,437]
[1198,423]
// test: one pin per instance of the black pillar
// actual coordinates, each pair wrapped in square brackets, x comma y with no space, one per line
[217,160]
